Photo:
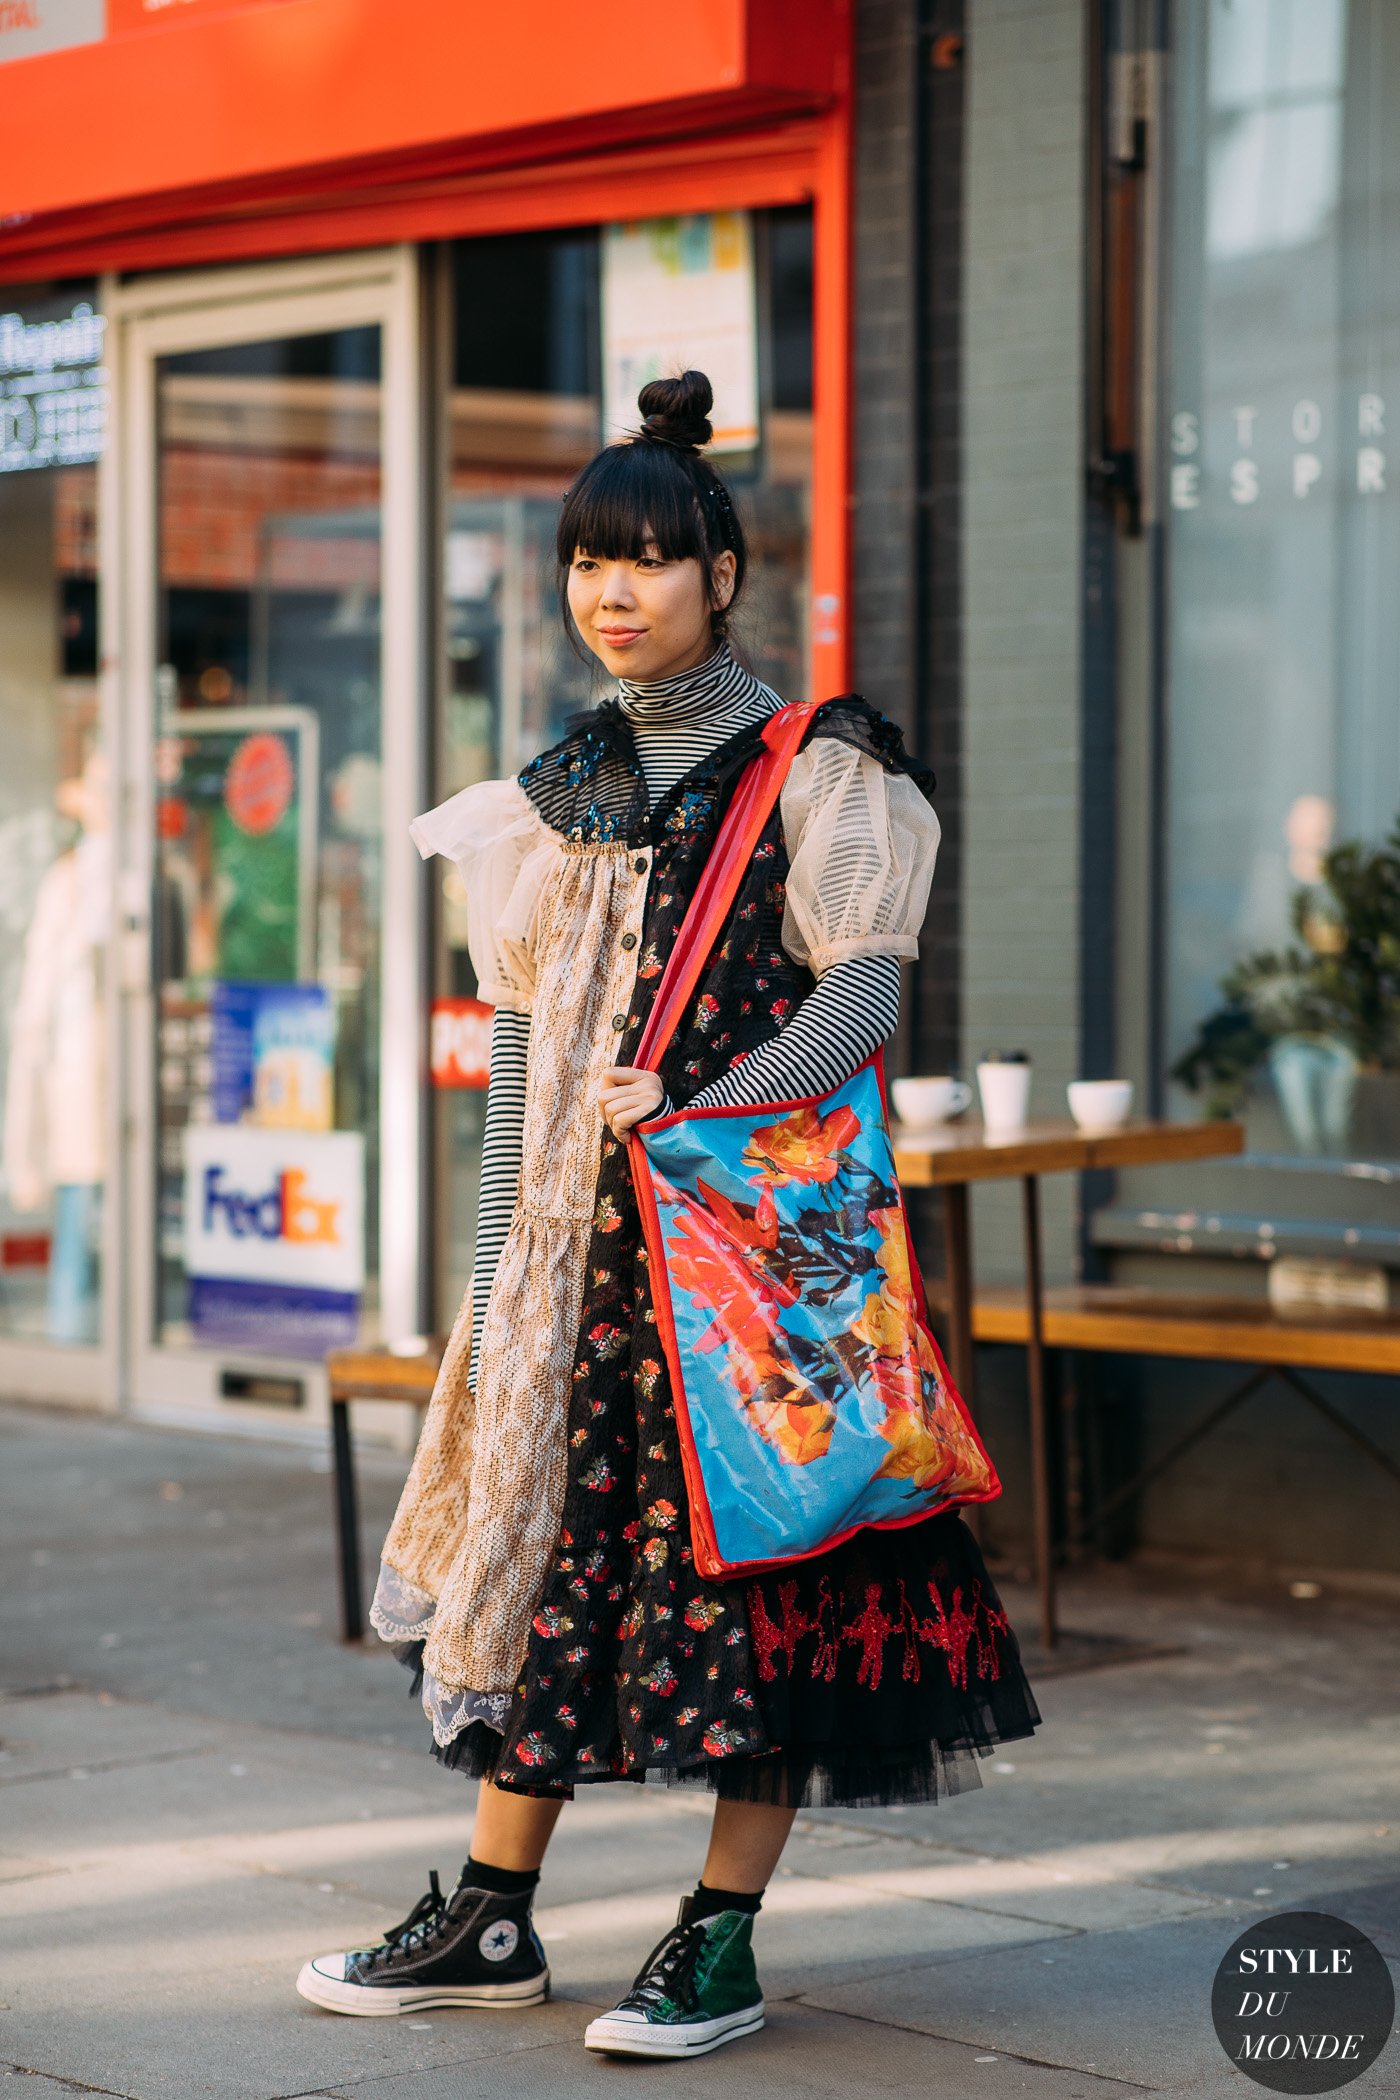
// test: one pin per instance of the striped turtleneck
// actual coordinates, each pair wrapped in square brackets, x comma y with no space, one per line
[676,722]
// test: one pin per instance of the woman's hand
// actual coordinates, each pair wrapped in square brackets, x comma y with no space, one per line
[627,1096]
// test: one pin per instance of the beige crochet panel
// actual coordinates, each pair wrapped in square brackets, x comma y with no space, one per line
[479,1518]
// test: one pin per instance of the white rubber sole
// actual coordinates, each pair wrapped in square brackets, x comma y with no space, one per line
[611,2036]
[334,1995]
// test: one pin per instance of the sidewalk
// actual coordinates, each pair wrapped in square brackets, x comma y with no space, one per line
[199,1786]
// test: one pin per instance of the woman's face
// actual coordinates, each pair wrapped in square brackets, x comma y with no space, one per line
[647,618]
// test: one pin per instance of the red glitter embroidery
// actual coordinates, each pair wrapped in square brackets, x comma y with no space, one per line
[912,1628]
[828,1640]
[956,1630]
[961,1633]
[871,1629]
[768,1638]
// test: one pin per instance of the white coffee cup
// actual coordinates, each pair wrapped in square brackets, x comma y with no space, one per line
[1005,1087]
[1100,1104]
[921,1103]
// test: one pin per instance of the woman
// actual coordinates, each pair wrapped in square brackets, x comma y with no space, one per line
[539,1573]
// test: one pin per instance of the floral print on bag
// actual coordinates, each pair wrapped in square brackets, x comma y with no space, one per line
[798,1329]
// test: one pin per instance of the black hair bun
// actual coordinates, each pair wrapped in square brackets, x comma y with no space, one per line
[677,411]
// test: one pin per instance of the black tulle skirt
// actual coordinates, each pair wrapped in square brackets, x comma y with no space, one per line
[878,1673]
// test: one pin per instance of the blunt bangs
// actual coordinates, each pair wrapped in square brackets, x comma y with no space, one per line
[629,496]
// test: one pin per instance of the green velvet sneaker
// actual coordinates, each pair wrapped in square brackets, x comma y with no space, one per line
[696,1990]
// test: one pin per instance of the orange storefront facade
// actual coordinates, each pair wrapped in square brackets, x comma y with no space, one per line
[309,311]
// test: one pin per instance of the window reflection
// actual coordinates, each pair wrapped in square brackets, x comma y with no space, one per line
[1276,74]
[1283,536]
[524,415]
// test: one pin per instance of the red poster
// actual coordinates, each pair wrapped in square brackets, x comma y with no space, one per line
[461,1042]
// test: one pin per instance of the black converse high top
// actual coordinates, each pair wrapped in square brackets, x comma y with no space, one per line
[472,1947]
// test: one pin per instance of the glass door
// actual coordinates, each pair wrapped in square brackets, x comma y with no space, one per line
[275,1060]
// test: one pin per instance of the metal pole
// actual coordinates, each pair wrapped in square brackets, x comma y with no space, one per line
[957,1254]
[347,1524]
[1040,1425]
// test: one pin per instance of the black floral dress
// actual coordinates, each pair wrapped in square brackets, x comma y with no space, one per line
[870,1674]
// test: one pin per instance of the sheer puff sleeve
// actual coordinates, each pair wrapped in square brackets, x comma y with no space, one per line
[861,846]
[504,854]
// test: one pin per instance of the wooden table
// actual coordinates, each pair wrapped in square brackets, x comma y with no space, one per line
[951,1157]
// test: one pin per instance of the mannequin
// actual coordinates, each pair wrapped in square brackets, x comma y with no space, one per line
[54,1135]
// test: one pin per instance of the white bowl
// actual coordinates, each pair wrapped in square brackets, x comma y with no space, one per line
[922,1104]
[1101,1104]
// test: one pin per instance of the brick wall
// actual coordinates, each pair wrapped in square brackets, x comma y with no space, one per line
[221,513]
[908,249]
[885,345]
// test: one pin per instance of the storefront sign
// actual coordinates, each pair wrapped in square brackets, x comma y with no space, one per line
[679,293]
[461,1042]
[1266,458]
[28,27]
[274,1055]
[53,388]
[274,1237]
[260,783]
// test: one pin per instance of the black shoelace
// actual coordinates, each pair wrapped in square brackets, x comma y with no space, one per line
[668,1971]
[424,1922]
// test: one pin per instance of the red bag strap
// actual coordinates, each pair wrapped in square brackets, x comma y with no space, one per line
[752,805]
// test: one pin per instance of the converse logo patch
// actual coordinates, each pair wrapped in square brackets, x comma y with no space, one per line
[499,1941]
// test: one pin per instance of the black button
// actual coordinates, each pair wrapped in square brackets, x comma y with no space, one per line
[639,867]
[629,940]
[619,1022]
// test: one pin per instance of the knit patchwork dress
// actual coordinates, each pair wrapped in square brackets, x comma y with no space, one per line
[539,1570]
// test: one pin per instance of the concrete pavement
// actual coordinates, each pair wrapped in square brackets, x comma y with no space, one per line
[199,1786]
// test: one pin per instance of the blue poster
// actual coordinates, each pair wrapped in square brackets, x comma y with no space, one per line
[274,1055]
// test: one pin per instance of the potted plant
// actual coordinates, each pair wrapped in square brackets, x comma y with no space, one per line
[1321,1013]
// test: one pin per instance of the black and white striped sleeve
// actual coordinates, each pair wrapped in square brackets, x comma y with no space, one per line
[501,1148]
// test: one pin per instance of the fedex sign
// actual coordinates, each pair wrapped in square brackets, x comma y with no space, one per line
[286,1211]
[274,1236]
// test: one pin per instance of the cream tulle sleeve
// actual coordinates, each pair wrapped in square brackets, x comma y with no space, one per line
[861,846]
[494,837]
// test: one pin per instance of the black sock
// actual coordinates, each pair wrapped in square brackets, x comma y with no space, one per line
[501,1881]
[708,1903]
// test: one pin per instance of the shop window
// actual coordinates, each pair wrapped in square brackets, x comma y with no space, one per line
[1283,534]
[524,413]
[268,824]
[55,883]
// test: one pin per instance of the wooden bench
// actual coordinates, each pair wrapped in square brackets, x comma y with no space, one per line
[366,1374]
[1114,1319]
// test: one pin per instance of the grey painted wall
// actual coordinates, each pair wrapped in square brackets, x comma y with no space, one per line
[1023,531]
